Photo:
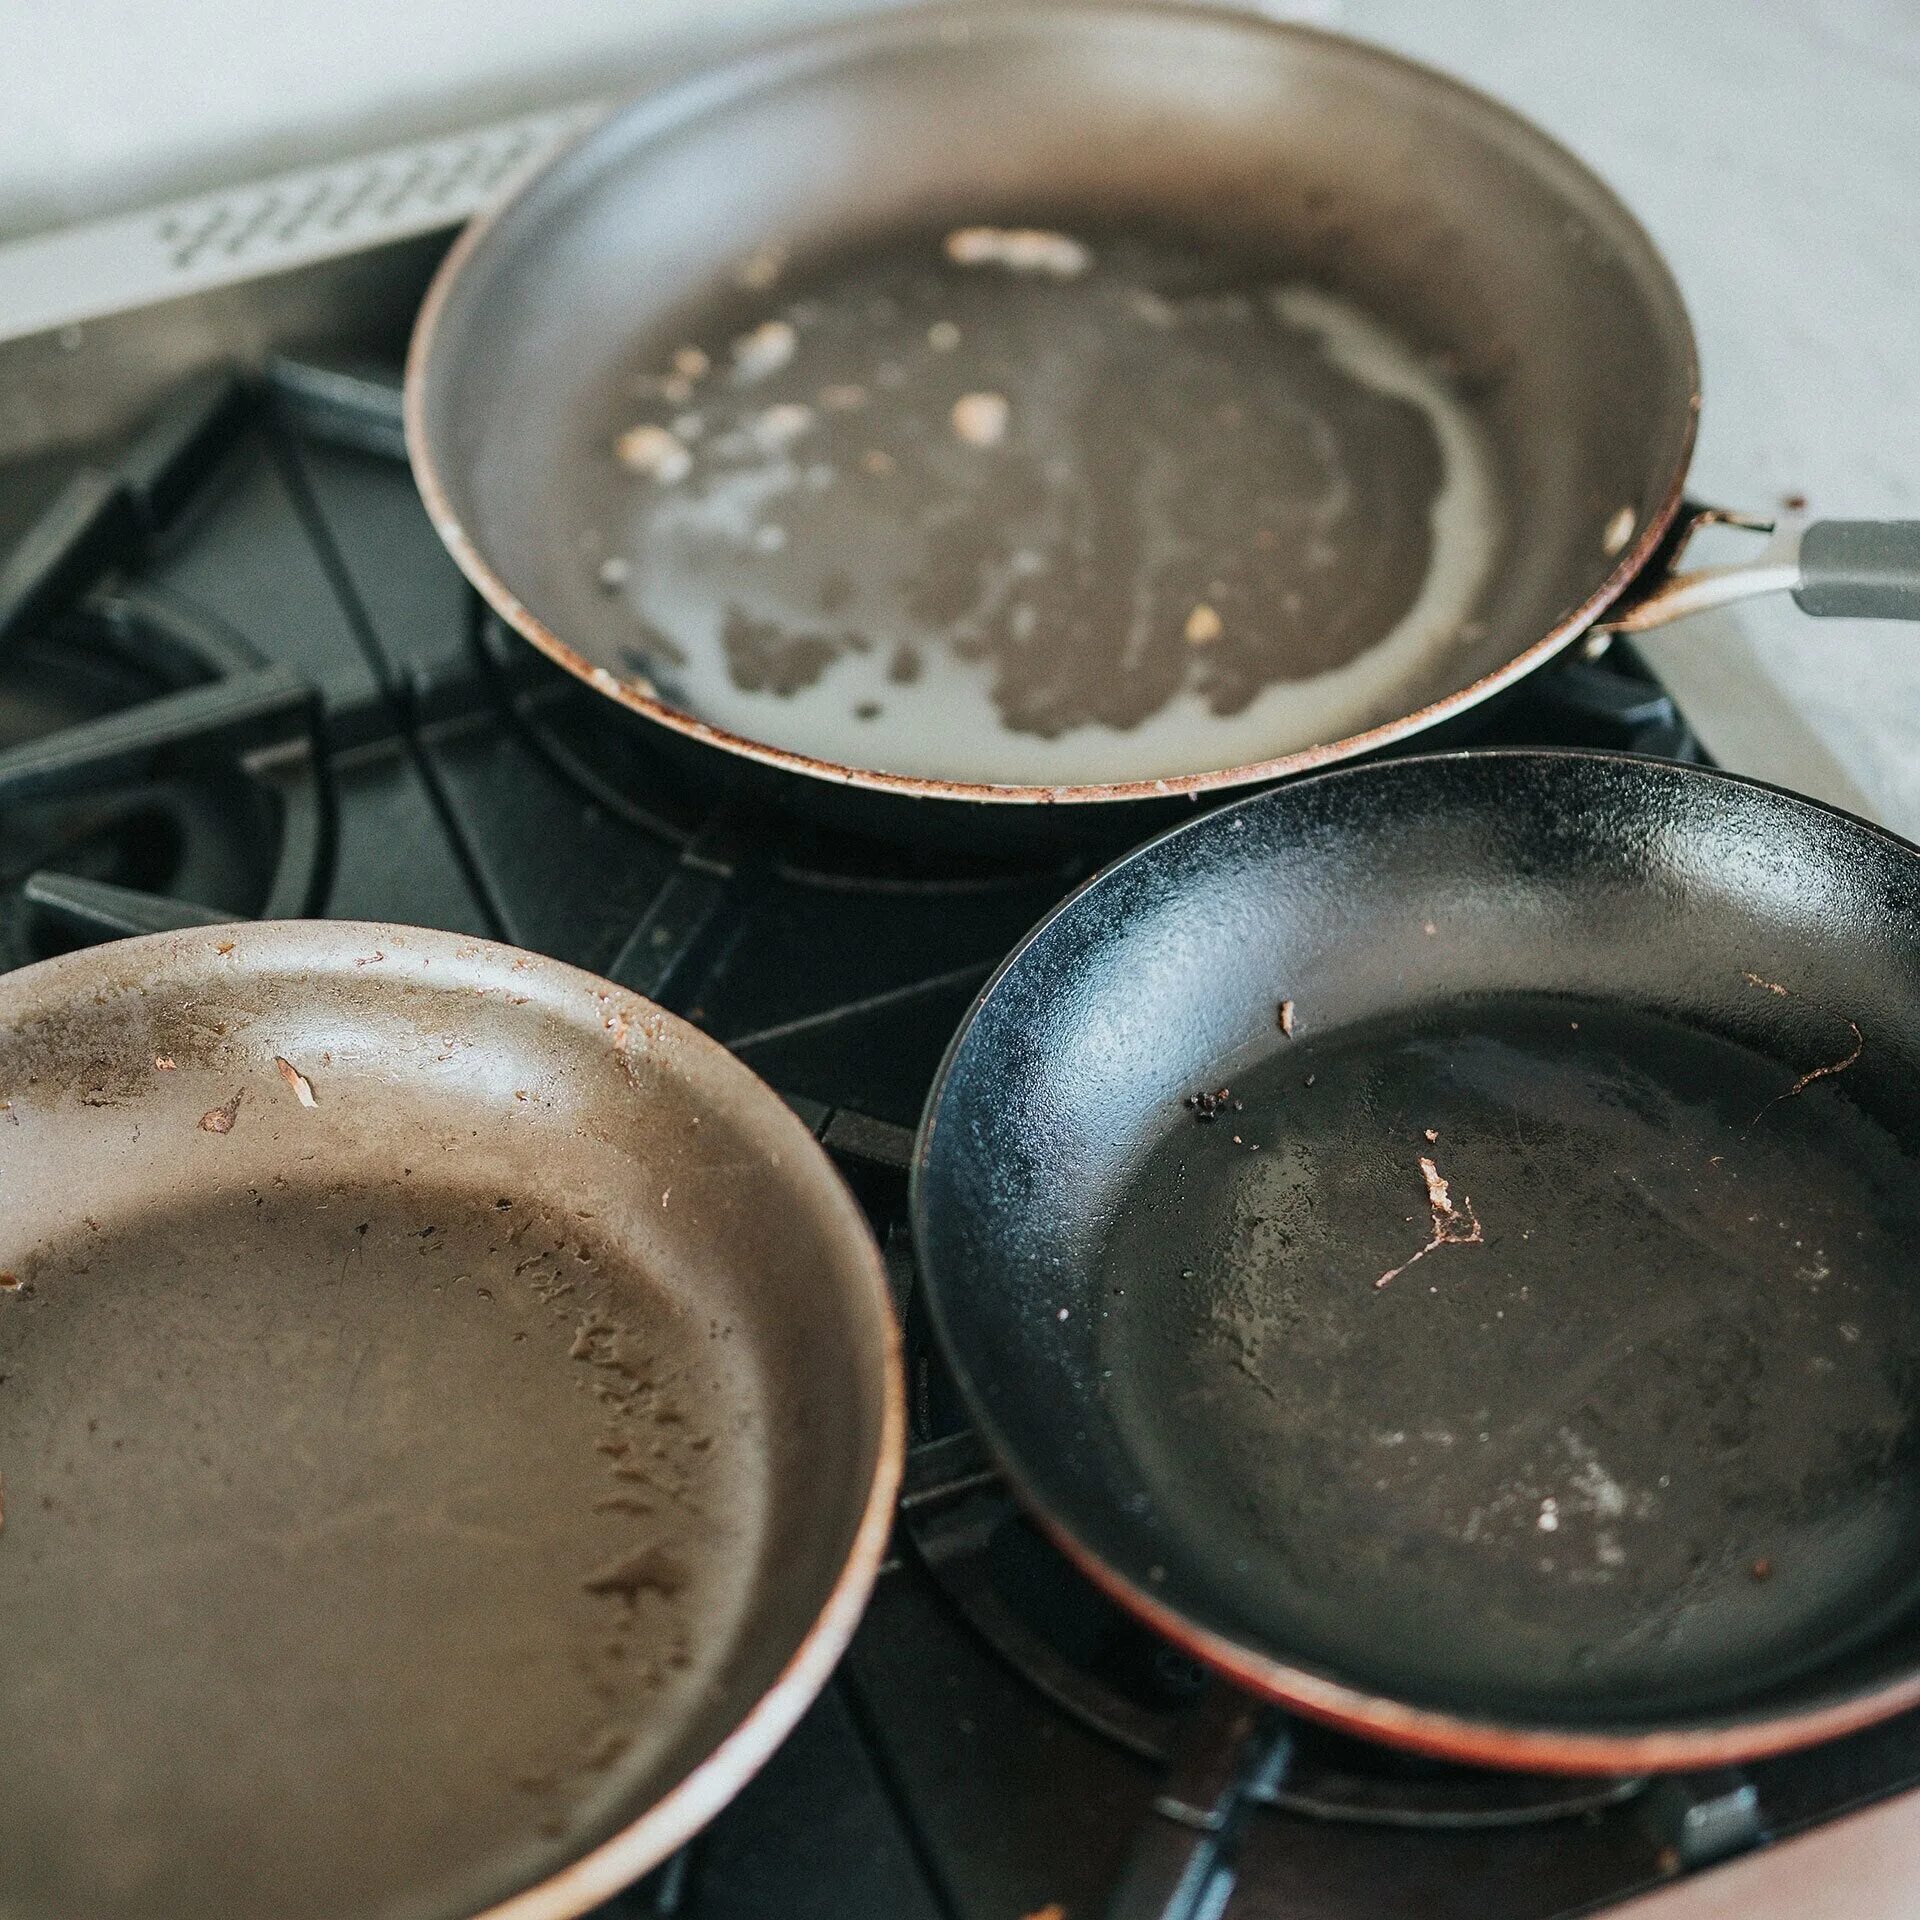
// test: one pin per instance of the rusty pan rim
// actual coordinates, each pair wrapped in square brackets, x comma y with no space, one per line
[681,99]
[558,990]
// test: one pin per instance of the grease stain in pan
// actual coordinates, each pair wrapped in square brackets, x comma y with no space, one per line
[1160,515]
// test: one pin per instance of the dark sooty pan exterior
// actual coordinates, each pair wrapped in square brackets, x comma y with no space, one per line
[1470,233]
[1619,1473]
[431,1500]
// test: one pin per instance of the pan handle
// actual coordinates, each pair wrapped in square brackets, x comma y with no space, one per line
[1851,569]
[1229,1753]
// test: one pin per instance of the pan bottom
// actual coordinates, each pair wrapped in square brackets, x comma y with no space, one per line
[363,1548]
[1530,1356]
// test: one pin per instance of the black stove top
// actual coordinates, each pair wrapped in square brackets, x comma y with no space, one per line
[240,677]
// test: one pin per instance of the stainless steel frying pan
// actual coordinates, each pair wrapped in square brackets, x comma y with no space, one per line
[1352,399]
[449,1420]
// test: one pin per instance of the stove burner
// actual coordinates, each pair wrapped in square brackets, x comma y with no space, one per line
[984,1744]
[608,753]
[134,789]
[1115,1676]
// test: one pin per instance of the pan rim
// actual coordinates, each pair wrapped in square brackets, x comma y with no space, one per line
[667,1823]
[1312,1690]
[682,99]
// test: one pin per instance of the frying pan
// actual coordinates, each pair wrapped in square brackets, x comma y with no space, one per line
[448,1428]
[1520,1363]
[1401,405]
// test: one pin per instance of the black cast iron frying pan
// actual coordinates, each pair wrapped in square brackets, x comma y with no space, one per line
[1522,1362]
[1218,534]
[448,1428]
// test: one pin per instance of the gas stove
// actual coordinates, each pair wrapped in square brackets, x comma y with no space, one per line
[240,677]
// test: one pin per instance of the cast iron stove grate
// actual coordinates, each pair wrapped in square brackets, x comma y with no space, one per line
[239,676]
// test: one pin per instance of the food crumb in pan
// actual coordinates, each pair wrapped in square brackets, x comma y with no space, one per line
[980,419]
[1205,1106]
[943,336]
[1771,986]
[1549,1520]
[765,350]
[1144,304]
[223,947]
[221,1119]
[10,1283]
[1452,1226]
[690,363]
[1619,532]
[653,450]
[1283,1017]
[762,267]
[1429,929]
[780,426]
[1432,1135]
[1019,249]
[1053,1910]
[1203,626]
[297,1082]
[1817,1073]
[164,1061]
[1762,1569]
[868,710]
[613,572]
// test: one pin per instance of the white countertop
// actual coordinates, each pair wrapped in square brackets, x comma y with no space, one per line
[1772,148]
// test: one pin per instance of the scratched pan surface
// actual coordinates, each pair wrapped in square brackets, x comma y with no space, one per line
[429,1500]
[1523,1361]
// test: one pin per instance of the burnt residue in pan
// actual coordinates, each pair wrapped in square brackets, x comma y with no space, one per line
[1110,487]
[1643,1355]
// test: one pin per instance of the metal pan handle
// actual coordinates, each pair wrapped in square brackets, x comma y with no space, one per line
[1229,1753]
[1849,569]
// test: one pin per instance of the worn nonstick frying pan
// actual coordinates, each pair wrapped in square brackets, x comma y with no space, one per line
[1436,1240]
[448,1427]
[1092,403]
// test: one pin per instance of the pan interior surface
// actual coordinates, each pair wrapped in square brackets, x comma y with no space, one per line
[1623,1424]
[1053,397]
[1173,508]
[1528,1340]
[406,1485]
